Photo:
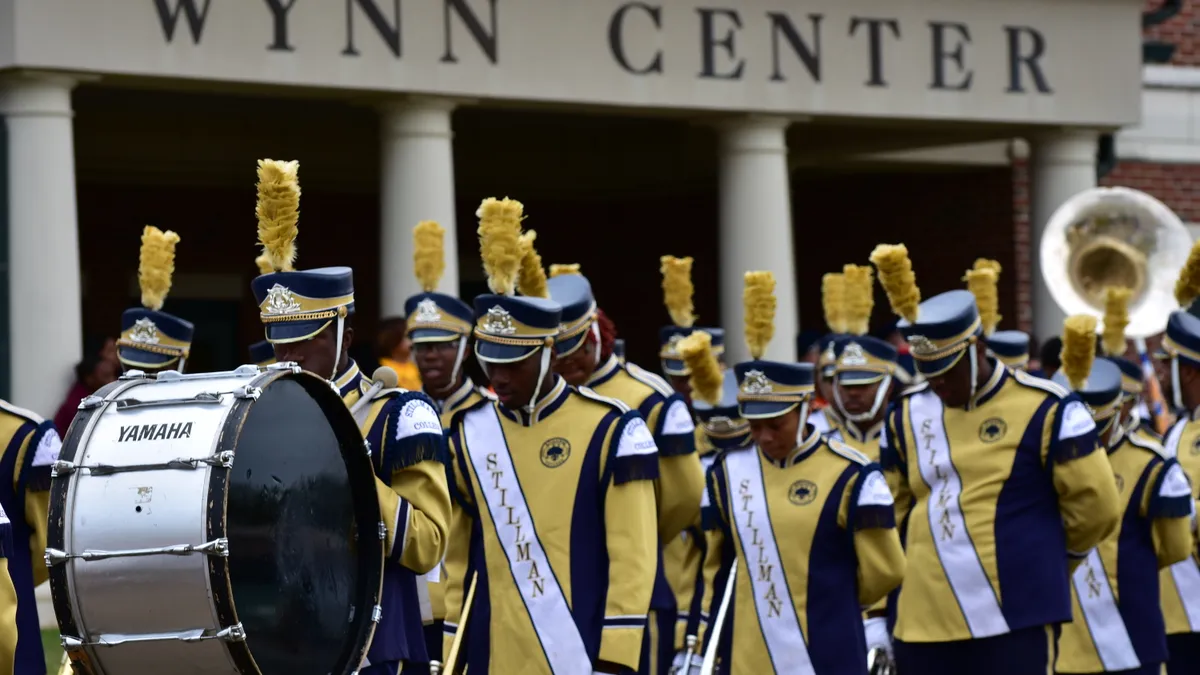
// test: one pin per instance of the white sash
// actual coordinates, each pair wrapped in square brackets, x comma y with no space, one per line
[772,599]
[1185,572]
[1103,618]
[948,527]
[532,574]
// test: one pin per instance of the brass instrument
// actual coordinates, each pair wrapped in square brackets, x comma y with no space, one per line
[714,631]
[1118,237]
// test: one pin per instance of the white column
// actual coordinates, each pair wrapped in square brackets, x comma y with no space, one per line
[45,317]
[756,229]
[417,184]
[1062,164]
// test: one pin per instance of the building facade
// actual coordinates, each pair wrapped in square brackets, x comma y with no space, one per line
[759,134]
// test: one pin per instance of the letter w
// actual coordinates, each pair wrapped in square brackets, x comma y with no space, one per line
[169,17]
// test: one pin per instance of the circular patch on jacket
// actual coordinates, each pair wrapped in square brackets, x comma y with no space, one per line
[555,452]
[802,492]
[992,430]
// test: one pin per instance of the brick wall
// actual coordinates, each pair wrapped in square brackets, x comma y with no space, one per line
[1176,185]
[1181,31]
[1023,251]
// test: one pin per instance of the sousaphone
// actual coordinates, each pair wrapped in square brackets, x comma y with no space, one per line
[1115,237]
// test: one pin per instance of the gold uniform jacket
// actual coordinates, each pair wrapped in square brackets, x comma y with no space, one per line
[408,452]
[1117,623]
[8,604]
[560,504]
[815,541]
[683,563]
[1180,583]
[997,503]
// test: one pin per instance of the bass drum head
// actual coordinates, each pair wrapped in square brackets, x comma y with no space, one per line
[305,558]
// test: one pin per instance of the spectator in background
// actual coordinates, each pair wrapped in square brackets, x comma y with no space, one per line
[98,368]
[395,352]
[1050,356]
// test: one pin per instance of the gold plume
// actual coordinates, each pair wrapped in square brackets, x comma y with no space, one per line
[531,281]
[898,280]
[985,264]
[758,299]
[264,264]
[429,257]
[678,290]
[1116,318]
[982,283]
[1079,348]
[557,270]
[706,378]
[860,298]
[500,242]
[1187,286]
[278,211]
[833,301]
[156,265]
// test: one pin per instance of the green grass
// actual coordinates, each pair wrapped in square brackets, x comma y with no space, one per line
[54,651]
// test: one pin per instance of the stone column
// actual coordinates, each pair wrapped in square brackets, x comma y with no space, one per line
[44,305]
[417,183]
[756,228]
[1062,164]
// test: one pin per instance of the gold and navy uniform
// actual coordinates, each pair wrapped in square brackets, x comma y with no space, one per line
[825,420]
[1181,581]
[408,453]
[993,499]
[563,548]
[815,541]
[31,445]
[447,590]
[865,441]
[1118,624]
[8,606]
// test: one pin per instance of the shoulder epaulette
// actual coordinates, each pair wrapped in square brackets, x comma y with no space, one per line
[1022,377]
[1147,444]
[21,412]
[591,394]
[843,450]
[655,382]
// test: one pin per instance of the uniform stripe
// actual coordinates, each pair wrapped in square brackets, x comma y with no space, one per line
[948,528]
[776,617]
[1102,615]
[501,490]
[1185,573]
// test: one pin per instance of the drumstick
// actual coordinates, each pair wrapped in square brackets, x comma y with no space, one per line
[384,378]
[452,659]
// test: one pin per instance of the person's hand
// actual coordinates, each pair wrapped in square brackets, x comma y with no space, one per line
[877,634]
[677,664]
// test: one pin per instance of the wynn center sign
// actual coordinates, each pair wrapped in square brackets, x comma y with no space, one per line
[1003,61]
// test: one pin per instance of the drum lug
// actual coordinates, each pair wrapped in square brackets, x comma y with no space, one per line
[61,467]
[225,459]
[376,614]
[70,644]
[248,392]
[132,375]
[234,633]
[91,401]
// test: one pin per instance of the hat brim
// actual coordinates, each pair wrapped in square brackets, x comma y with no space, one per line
[283,332]
[859,378]
[432,335]
[492,352]
[132,357]
[937,367]
[760,410]
[1012,361]
[675,367]
[568,346]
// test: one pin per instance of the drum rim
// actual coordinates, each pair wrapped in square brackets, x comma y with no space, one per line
[366,507]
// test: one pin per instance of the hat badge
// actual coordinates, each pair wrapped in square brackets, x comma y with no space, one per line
[672,345]
[499,322]
[853,355]
[144,331]
[280,300]
[756,382]
[428,312]
[921,345]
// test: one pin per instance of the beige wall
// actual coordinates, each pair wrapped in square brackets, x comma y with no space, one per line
[876,58]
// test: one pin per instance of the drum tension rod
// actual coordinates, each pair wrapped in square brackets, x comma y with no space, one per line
[234,633]
[222,459]
[218,547]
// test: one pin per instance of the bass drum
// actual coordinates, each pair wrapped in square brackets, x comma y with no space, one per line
[215,523]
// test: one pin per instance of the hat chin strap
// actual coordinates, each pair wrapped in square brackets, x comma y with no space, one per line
[462,351]
[595,330]
[973,354]
[1176,390]
[537,388]
[880,395]
[337,350]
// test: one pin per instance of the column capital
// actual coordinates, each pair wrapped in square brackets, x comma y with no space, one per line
[1064,146]
[753,134]
[36,93]
[418,116]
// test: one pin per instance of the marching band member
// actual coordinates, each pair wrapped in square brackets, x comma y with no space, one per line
[556,484]
[1114,344]
[8,608]
[262,353]
[680,484]
[833,301]
[677,296]
[1118,623]
[306,315]
[439,326]
[809,522]
[1010,347]
[714,404]
[152,340]
[998,481]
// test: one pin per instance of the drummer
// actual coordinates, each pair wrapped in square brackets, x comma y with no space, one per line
[152,340]
[307,315]
[262,353]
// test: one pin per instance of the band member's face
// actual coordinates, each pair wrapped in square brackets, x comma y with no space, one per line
[858,399]
[682,385]
[317,354]
[435,361]
[579,365]
[1162,370]
[776,436]
[514,383]
[954,385]
[824,386]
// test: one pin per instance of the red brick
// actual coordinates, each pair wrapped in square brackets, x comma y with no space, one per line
[1173,184]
